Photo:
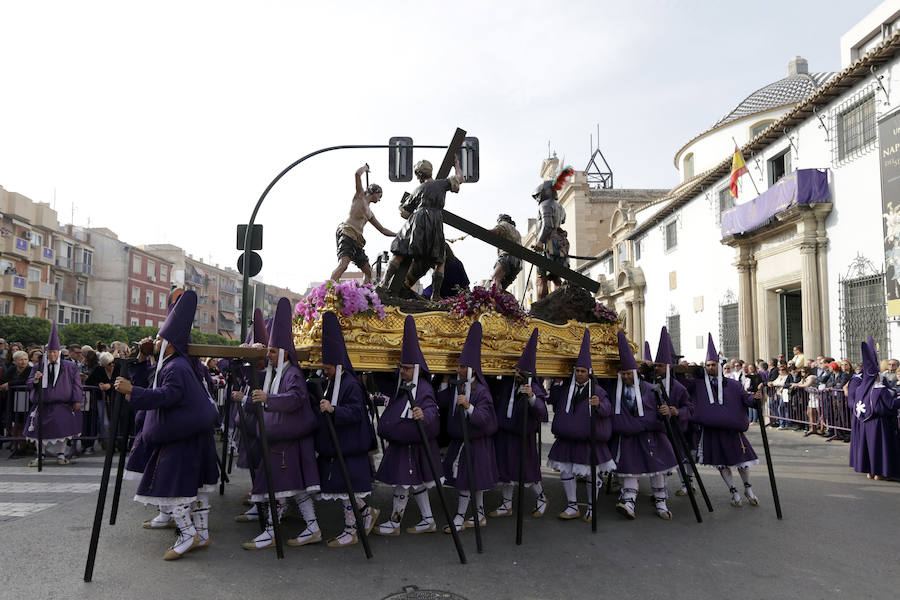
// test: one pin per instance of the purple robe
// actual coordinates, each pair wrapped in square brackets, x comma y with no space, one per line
[139,373]
[508,439]
[573,431]
[855,424]
[354,433]
[178,429]
[59,418]
[877,450]
[722,441]
[405,462]
[482,425]
[639,444]
[290,430]
[680,397]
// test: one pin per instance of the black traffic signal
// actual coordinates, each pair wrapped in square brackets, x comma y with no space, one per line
[400,159]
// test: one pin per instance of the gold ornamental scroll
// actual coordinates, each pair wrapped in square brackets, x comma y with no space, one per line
[374,344]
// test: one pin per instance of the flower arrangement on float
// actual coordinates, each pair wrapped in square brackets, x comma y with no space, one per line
[481,300]
[345,297]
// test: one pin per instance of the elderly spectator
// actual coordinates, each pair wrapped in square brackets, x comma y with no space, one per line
[889,375]
[4,350]
[16,375]
[35,357]
[103,375]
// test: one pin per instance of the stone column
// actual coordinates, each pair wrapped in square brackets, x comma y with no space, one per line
[639,320]
[632,329]
[745,311]
[821,247]
[809,290]
[758,331]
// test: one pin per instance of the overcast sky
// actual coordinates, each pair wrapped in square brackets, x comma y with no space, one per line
[165,121]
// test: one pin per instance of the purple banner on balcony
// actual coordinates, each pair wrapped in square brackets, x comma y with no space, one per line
[18,282]
[22,244]
[803,186]
[48,253]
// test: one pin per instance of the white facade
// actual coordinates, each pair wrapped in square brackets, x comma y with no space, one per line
[809,252]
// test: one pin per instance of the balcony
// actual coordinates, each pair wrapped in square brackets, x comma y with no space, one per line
[83,268]
[13,284]
[39,289]
[16,245]
[64,262]
[42,255]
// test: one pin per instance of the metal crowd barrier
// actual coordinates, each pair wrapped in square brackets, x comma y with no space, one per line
[95,409]
[788,407]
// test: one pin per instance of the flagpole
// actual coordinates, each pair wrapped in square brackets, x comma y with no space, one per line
[738,150]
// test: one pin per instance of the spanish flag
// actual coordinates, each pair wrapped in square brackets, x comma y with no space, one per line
[738,168]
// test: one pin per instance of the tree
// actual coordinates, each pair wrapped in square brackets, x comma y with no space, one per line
[88,333]
[27,330]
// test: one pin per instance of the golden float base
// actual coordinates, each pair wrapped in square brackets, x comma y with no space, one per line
[374,344]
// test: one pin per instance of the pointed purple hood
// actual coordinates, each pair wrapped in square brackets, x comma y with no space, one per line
[584,353]
[334,350]
[648,356]
[471,351]
[711,353]
[870,371]
[665,352]
[282,335]
[410,353]
[528,360]
[176,329]
[53,340]
[626,356]
[260,334]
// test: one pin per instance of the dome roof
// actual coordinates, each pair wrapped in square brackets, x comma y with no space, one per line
[790,90]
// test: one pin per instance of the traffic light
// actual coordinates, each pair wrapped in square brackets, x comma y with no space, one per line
[400,159]
[468,159]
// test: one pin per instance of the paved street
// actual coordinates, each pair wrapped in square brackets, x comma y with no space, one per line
[838,539]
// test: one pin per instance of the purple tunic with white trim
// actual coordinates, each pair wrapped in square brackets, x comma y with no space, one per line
[405,462]
[354,432]
[856,433]
[573,431]
[59,418]
[178,427]
[508,439]
[139,374]
[878,448]
[639,444]
[722,426]
[482,425]
[290,429]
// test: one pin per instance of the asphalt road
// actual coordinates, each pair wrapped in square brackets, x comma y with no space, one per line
[838,539]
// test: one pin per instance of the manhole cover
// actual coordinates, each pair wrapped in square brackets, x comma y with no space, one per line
[411,592]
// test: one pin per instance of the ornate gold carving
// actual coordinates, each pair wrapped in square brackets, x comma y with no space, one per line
[374,344]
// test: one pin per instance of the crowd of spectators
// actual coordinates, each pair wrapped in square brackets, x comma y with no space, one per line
[784,382]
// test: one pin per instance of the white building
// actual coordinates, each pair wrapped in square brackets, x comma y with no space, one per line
[809,263]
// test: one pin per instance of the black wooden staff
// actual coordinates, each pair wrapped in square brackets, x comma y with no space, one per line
[676,428]
[267,467]
[316,384]
[245,442]
[225,423]
[662,400]
[39,413]
[470,468]
[520,492]
[123,367]
[104,483]
[593,446]
[765,440]
[435,475]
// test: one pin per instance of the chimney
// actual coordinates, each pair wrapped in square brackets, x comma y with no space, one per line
[797,66]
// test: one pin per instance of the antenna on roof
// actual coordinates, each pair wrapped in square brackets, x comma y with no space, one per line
[597,177]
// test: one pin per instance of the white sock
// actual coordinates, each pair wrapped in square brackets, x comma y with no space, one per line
[399,506]
[186,531]
[506,491]
[587,487]
[629,488]
[568,482]
[658,485]
[200,516]
[725,472]
[462,504]
[307,511]
[538,489]
[744,472]
[423,502]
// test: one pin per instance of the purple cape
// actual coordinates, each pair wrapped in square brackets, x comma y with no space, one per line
[59,418]
[508,439]
[405,461]
[482,425]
